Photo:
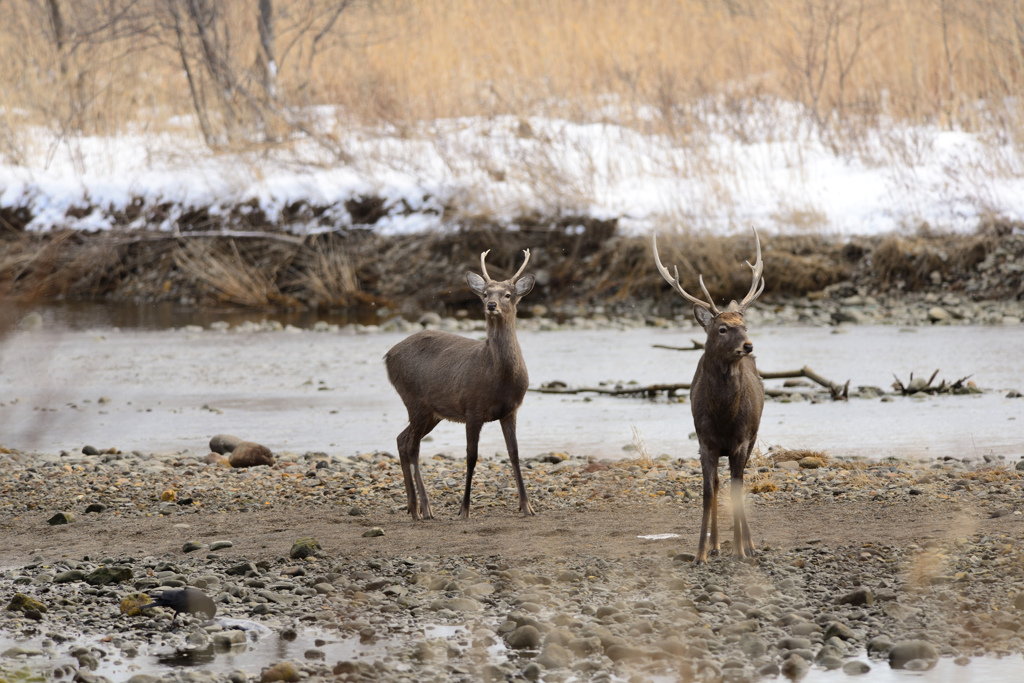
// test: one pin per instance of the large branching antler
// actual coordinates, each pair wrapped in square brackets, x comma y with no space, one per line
[483,266]
[756,269]
[674,281]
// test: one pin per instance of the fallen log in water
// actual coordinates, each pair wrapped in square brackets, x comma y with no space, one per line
[838,391]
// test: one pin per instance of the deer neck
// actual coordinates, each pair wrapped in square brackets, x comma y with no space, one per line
[502,345]
[725,373]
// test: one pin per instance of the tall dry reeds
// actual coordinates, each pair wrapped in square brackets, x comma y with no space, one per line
[667,66]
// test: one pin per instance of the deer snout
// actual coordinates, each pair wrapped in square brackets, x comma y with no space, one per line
[492,306]
[748,348]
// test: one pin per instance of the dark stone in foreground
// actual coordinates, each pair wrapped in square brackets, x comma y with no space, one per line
[303,548]
[856,668]
[70,576]
[858,597]
[23,603]
[795,667]
[908,650]
[107,575]
[224,443]
[524,638]
[61,518]
[249,454]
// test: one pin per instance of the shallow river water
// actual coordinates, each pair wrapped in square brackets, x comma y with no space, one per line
[172,390]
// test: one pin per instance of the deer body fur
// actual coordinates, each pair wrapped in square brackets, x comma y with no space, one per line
[442,376]
[726,400]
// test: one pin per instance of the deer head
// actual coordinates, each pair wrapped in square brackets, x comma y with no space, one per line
[500,296]
[727,331]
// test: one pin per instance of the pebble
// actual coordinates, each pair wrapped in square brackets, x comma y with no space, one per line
[905,652]
[856,668]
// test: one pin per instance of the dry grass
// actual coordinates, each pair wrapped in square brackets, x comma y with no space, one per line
[234,278]
[849,63]
[643,456]
[757,481]
[420,272]
[325,275]
[781,455]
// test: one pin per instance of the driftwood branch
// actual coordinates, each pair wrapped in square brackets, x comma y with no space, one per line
[838,391]
[697,346]
[960,386]
[649,390]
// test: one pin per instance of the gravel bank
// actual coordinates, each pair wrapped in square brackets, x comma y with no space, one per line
[854,558]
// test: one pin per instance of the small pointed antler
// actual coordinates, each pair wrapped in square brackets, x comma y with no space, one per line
[674,281]
[756,270]
[483,266]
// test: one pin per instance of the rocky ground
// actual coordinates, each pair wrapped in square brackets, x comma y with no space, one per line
[859,565]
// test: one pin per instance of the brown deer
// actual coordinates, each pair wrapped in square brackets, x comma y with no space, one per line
[726,399]
[442,376]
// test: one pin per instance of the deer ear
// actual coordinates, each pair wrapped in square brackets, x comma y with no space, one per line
[703,316]
[524,285]
[476,283]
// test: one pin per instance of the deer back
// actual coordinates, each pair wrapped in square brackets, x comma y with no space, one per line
[457,378]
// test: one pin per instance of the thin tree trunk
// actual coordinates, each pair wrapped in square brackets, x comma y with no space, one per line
[59,33]
[198,101]
[269,61]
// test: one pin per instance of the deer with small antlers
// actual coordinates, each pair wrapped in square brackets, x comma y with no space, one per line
[442,376]
[726,399]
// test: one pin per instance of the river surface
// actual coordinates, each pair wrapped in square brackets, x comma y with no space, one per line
[171,390]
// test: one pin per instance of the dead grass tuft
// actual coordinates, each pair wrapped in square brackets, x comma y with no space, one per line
[233,278]
[781,455]
[755,480]
[325,275]
[644,458]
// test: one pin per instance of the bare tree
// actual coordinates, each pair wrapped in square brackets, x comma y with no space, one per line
[268,62]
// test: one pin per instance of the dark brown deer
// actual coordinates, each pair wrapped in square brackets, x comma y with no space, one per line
[442,376]
[726,399]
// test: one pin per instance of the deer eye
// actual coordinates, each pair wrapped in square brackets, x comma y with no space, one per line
[508,295]
[723,329]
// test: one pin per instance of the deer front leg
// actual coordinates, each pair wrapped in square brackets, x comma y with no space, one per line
[709,469]
[472,442]
[740,518]
[740,530]
[508,428]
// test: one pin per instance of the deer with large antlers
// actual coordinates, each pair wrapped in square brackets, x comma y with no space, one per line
[726,399]
[442,376]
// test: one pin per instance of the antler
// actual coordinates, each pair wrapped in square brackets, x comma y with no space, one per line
[483,266]
[756,269]
[522,267]
[674,281]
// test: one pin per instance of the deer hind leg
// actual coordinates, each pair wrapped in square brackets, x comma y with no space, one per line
[709,469]
[508,428]
[403,457]
[744,546]
[417,429]
[472,443]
